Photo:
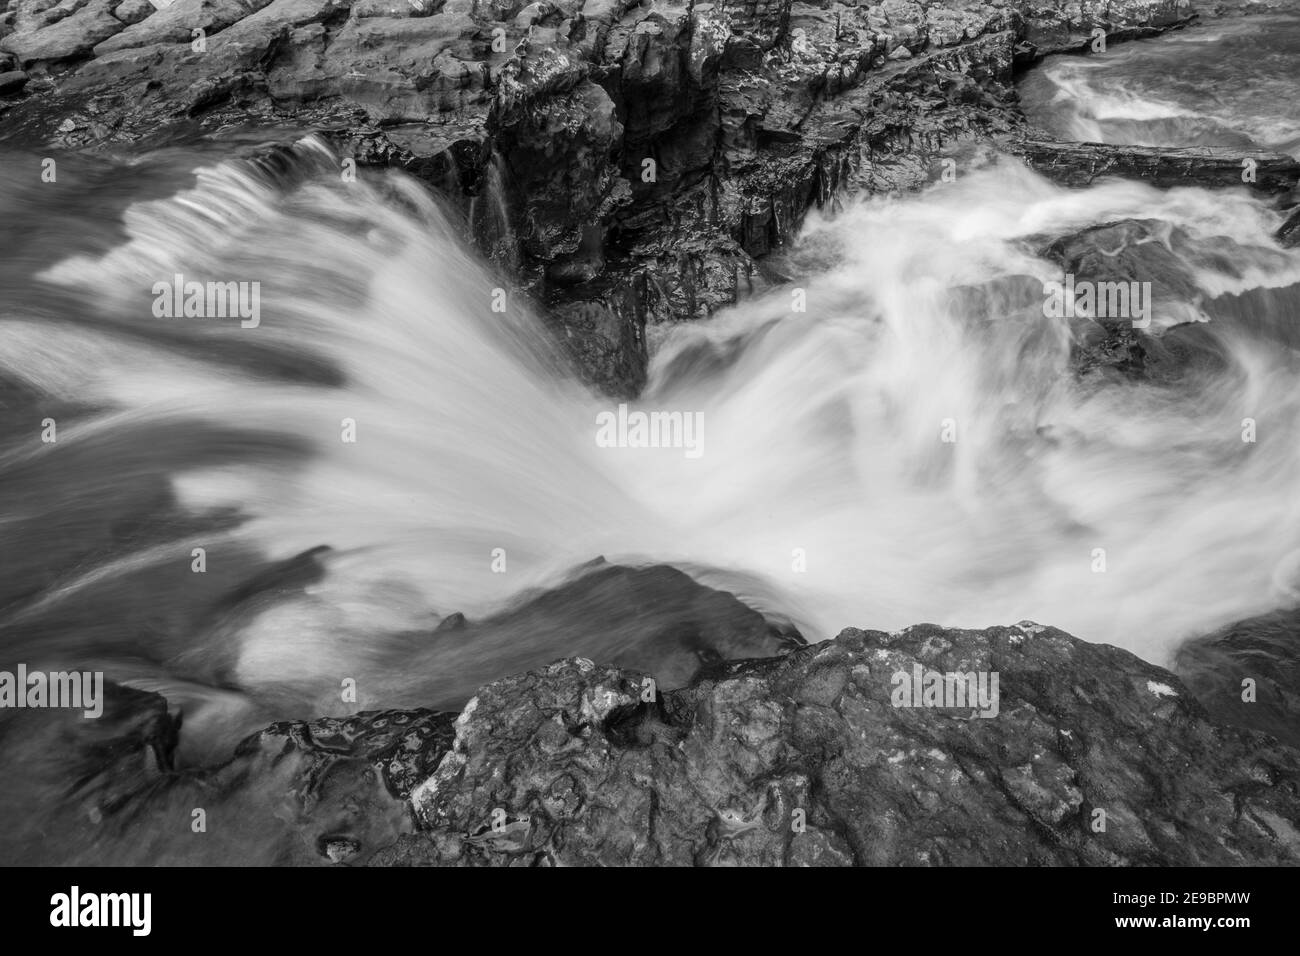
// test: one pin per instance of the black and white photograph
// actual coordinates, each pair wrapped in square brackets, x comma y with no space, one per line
[651,434]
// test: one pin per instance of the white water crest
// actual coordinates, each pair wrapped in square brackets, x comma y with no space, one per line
[825,432]
[1093,103]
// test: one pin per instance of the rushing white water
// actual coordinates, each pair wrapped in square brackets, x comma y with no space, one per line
[822,428]
[825,491]
[825,434]
[1228,83]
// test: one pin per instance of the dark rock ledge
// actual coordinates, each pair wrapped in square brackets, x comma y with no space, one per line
[751,111]
[1093,758]
[1081,164]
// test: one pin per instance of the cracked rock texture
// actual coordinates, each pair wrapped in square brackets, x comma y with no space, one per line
[627,162]
[1094,757]
[1091,757]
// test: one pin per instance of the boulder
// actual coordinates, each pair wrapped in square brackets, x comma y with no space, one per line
[72,37]
[12,81]
[1093,757]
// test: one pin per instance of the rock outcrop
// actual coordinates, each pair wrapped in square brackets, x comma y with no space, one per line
[1078,754]
[1081,164]
[629,162]
[1092,757]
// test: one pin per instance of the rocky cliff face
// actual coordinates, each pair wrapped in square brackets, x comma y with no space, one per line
[628,162]
[1057,752]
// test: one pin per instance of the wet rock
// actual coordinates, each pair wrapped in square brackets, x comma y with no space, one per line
[452,622]
[176,23]
[655,619]
[1062,26]
[319,792]
[1140,257]
[1093,758]
[602,325]
[133,11]
[1081,164]
[1149,316]
[89,768]
[402,746]
[12,82]
[74,35]
[559,178]
[1288,234]
[1248,674]
[1079,754]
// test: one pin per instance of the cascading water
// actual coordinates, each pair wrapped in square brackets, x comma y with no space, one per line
[829,490]
[1230,83]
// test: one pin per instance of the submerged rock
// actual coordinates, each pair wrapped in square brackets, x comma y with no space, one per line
[63,775]
[655,619]
[1150,316]
[1140,256]
[108,791]
[1248,673]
